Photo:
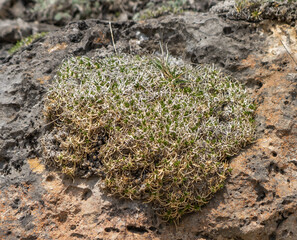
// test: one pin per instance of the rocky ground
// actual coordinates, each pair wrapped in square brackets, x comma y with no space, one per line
[259,200]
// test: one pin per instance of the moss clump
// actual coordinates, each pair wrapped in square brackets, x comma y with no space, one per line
[26,42]
[153,10]
[62,11]
[265,9]
[243,4]
[168,128]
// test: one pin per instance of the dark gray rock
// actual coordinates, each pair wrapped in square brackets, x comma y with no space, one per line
[4,8]
[12,9]
[13,30]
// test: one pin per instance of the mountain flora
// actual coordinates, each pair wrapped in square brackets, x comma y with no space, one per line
[26,42]
[154,130]
[255,5]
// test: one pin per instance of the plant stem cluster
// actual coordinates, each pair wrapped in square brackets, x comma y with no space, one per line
[168,128]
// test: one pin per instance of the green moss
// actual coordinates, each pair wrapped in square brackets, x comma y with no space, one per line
[26,42]
[169,128]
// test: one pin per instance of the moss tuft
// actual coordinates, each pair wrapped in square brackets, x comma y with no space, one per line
[240,5]
[161,131]
[26,42]
[257,9]
[153,10]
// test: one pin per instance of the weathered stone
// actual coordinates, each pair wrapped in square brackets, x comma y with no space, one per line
[4,8]
[13,30]
[12,9]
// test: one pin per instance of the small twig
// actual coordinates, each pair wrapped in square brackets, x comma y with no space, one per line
[289,53]
[112,39]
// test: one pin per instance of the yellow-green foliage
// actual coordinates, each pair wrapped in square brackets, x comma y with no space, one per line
[26,42]
[169,127]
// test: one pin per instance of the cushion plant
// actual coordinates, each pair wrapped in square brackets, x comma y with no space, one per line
[167,129]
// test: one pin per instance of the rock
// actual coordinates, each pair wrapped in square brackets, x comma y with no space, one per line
[18,9]
[203,6]
[4,9]
[12,9]
[259,200]
[13,30]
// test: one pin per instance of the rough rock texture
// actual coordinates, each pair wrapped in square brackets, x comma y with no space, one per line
[12,9]
[14,30]
[259,200]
